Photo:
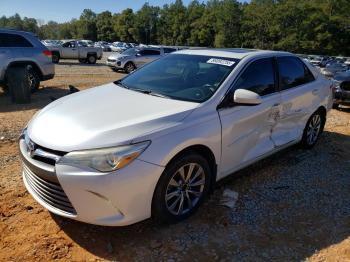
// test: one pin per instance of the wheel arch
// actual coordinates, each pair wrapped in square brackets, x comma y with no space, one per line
[23,63]
[322,110]
[205,152]
[56,52]
[91,53]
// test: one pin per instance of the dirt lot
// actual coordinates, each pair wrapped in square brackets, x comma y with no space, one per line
[292,206]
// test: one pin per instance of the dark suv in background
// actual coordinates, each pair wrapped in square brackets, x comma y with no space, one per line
[24,62]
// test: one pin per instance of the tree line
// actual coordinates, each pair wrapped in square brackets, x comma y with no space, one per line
[300,26]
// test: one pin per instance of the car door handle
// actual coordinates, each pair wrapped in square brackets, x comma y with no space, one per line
[315,91]
[276,105]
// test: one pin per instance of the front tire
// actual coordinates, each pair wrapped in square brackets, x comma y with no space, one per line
[181,189]
[313,129]
[129,67]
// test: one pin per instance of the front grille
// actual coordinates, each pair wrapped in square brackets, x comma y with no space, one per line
[49,192]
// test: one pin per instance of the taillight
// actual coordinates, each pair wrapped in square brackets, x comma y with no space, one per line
[47,53]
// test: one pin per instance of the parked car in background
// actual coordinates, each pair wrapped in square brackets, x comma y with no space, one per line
[154,143]
[342,89]
[120,47]
[316,60]
[49,42]
[134,58]
[104,45]
[332,68]
[88,43]
[76,50]
[24,62]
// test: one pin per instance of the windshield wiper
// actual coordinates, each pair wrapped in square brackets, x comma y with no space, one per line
[150,92]
[119,82]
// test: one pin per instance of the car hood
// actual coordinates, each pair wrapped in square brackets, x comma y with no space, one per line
[118,56]
[104,116]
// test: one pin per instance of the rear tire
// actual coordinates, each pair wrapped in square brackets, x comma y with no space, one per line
[17,79]
[91,59]
[179,194]
[313,129]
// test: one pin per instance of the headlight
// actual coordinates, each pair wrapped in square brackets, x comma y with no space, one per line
[106,159]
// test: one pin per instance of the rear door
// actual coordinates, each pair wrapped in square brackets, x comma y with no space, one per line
[246,129]
[299,93]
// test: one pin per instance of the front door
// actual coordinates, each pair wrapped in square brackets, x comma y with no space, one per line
[70,50]
[247,129]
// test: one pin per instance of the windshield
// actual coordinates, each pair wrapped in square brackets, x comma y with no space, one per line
[184,77]
[131,51]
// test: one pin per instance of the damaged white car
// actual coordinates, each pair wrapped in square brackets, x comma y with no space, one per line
[154,143]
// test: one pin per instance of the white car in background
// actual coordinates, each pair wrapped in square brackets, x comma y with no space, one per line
[155,142]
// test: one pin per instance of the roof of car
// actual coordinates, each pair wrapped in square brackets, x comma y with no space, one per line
[237,53]
[9,30]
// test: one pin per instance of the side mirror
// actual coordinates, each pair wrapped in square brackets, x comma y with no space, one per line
[246,97]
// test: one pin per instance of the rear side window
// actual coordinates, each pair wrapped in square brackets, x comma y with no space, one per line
[259,77]
[293,72]
[13,40]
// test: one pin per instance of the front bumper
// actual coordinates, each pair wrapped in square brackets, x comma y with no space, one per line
[112,199]
[115,64]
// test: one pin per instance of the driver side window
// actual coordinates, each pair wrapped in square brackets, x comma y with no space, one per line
[258,77]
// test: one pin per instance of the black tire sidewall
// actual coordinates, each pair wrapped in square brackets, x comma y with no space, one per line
[18,83]
[159,209]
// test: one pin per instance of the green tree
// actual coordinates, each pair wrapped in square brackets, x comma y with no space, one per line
[104,25]
[86,25]
[125,25]
[146,21]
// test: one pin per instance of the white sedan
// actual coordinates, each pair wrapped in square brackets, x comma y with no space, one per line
[155,142]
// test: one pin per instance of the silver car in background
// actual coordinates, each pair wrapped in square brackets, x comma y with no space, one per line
[134,58]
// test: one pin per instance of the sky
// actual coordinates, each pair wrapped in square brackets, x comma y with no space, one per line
[65,10]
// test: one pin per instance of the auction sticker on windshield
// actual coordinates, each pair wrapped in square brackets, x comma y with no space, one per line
[218,61]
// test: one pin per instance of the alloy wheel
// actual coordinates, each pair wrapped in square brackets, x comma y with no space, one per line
[313,130]
[129,68]
[185,189]
[32,81]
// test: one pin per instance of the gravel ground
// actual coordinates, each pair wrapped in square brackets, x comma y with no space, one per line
[292,206]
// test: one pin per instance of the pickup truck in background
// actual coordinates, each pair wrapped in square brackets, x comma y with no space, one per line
[76,50]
